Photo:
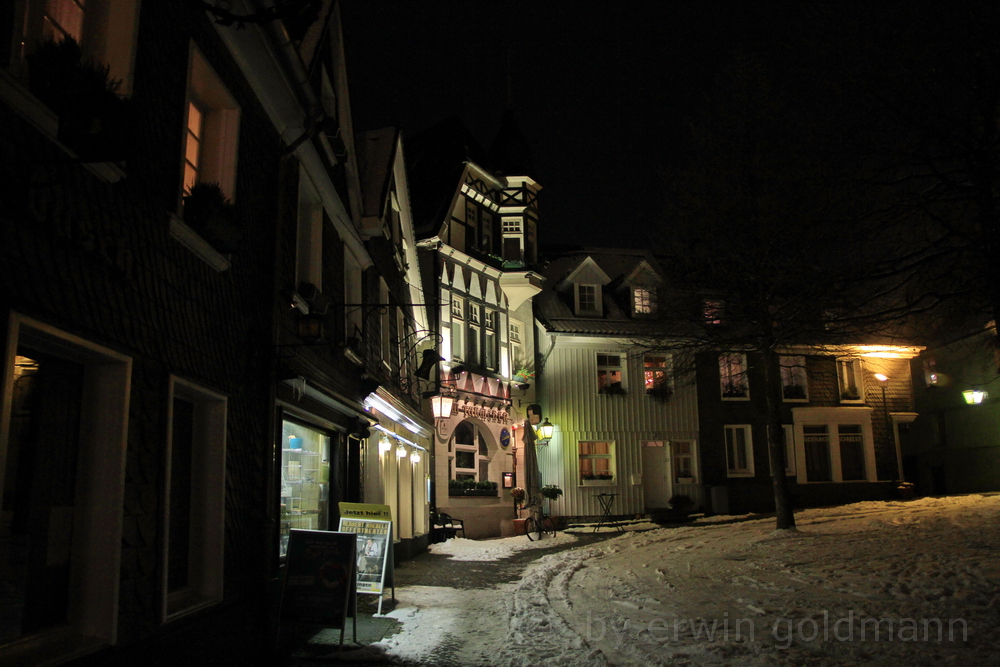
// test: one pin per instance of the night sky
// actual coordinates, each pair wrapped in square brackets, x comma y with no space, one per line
[603,91]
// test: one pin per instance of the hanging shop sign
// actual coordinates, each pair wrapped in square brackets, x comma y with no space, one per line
[505,437]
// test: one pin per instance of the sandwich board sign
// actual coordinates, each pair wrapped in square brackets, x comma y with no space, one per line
[319,586]
[372,526]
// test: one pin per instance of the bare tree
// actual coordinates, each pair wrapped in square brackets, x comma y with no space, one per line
[774,238]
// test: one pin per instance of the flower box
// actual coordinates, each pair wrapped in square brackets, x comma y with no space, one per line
[490,493]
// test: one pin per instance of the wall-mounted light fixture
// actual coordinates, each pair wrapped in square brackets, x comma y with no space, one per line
[974,396]
[384,445]
[545,430]
[415,457]
[400,451]
[442,406]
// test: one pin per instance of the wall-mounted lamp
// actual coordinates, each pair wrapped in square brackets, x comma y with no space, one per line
[545,430]
[974,396]
[881,377]
[415,457]
[442,406]
[384,445]
[400,451]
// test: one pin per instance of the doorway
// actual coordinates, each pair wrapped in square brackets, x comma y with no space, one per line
[656,478]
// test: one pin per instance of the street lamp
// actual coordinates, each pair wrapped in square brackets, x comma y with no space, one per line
[883,380]
[442,405]
[974,396]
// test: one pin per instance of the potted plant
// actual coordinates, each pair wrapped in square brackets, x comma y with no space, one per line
[662,392]
[518,494]
[522,377]
[208,212]
[850,394]
[551,492]
[93,117]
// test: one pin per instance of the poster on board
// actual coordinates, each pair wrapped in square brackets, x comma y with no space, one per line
[319,586]
[374,539]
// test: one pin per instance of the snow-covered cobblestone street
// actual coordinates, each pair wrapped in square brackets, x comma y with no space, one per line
[880,583]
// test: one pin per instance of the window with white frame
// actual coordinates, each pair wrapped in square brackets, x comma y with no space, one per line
[472,456]
[597,461]
[850,380]
[834,444]
[656,372]
[514,329]
[733,376]
[211,132]
[353,317]
[195,491]
[65,409]
[610,376]
[490,339]
[457,327]
[512,225]
[475,332]
[643,302]
[788,445]
[587,299]
[794,383]
[682,455]
[309,250]
[739,450]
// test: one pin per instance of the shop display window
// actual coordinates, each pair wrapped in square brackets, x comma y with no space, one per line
[305,480]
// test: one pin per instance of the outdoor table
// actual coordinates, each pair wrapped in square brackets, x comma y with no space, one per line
[607,500]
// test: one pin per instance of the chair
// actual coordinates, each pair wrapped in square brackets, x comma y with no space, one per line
[444,526]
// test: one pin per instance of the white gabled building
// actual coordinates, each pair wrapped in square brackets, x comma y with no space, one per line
[624,425]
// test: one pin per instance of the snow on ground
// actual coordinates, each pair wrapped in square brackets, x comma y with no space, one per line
[878,583]
[485,550]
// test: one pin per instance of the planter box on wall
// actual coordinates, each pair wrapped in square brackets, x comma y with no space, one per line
[598,482]
[453,493]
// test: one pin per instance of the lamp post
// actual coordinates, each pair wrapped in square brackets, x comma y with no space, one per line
[974,396]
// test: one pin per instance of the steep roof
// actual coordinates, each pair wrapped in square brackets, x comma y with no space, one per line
[554,305]
[436,159]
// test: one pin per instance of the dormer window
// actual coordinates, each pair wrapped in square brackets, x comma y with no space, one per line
[643,302]
[587,300]
[712,311]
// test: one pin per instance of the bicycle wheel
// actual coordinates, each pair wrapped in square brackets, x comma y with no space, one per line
[549,526]
[531,526]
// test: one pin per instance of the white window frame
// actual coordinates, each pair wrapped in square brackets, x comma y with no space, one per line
[457,327]
[309,246]
[643,301]
[605,365]
[473,343]
[850,373]
[792,369]
[96,548]
[515,329]
[609,457]
[833,418]
[727,377]
[578,296]
[208,500]
[730,434]
[221,128]
[649,373]
[490,339]
[353,316]
[691,456]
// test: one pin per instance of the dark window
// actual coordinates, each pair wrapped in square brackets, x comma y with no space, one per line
[816,440]
[852,452]
[181,449]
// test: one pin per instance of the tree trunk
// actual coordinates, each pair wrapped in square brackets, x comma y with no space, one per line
[784,514]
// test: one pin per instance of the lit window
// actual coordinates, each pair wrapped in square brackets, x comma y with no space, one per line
[211,129]
[597,462]
[656,373]
[642,301]
[739,451]
[62,19]
[712,311]
[733,376]
[457,308]
[609,374]
[472,454]
[793,378]
[305,464]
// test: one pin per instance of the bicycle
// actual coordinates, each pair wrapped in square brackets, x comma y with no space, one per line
[539,523]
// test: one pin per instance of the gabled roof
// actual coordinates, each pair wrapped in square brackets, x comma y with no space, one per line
[589,271]
[554,307]
[436,160]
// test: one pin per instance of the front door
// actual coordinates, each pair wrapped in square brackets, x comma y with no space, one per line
[656,474]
